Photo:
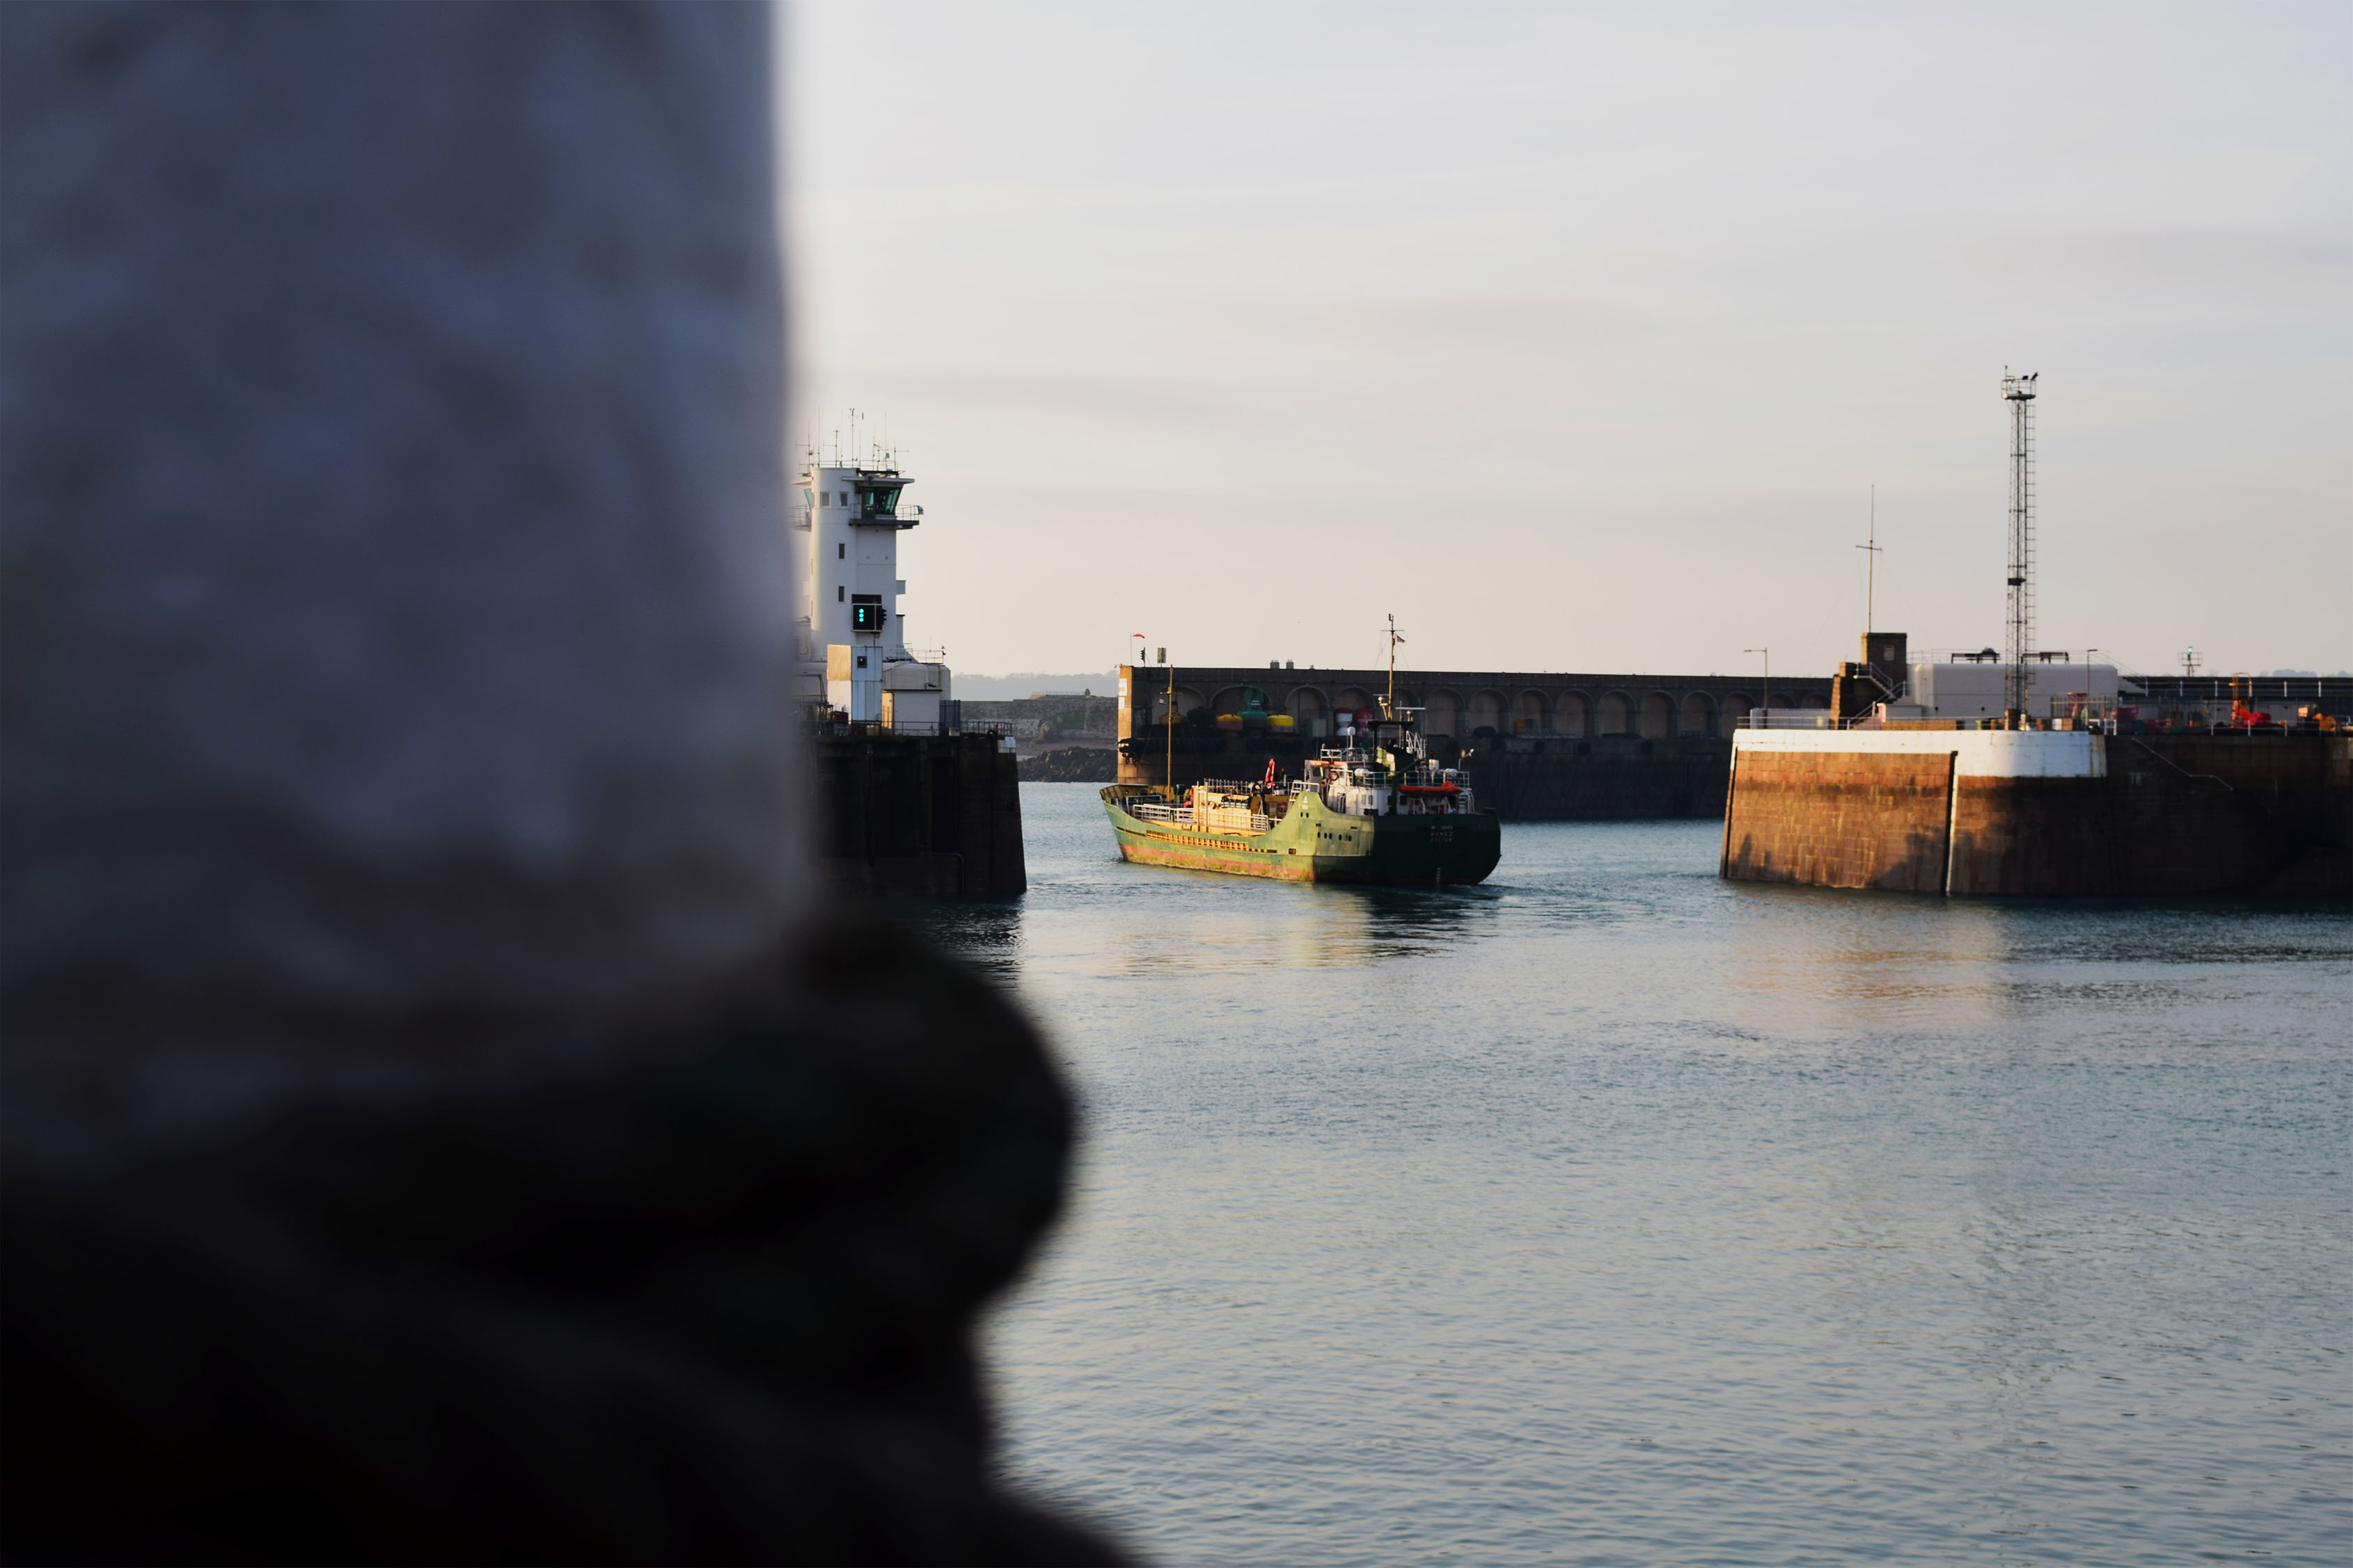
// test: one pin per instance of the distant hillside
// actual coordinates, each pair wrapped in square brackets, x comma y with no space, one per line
[1012,688]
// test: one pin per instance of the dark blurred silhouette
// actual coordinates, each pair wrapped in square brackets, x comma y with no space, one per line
[442,1121]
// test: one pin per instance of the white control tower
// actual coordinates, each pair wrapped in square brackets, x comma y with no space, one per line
[853,641]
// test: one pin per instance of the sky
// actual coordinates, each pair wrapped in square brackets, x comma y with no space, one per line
[1577,338]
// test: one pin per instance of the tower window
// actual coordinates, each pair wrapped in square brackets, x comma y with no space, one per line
[841,553]
[840,595]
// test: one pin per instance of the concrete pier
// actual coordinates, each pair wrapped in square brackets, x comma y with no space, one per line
[2044,813]
[919,816]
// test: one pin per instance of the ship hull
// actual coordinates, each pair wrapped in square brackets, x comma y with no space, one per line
[1315,843]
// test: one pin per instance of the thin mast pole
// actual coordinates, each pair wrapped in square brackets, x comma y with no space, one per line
[1171,785]
[1871,569]
[1389,703]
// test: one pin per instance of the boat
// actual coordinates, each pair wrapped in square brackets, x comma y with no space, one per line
[1374,808]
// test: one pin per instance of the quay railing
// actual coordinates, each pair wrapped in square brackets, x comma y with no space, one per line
[871,728]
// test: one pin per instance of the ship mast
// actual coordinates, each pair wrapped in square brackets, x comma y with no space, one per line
[1389,703]
[1170,785]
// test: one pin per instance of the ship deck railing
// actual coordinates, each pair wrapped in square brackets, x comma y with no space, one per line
[1221,818]
[1787,718]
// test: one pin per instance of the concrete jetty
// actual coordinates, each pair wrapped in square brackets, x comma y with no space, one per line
[2050,812]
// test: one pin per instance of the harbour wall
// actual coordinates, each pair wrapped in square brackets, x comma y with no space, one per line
[919,816]
[1538,745]
[1556,779]
[2043,813]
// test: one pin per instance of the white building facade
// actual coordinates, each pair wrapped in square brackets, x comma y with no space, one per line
[854,658]
[1971,688]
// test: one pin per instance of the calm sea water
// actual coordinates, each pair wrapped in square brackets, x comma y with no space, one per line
[1609,1212]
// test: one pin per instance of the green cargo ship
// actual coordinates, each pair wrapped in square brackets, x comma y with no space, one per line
[1377,811]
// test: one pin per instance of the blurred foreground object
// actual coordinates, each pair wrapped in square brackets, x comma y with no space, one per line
[419,1144]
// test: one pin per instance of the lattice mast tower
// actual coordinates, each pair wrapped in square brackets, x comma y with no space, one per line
[2019,391]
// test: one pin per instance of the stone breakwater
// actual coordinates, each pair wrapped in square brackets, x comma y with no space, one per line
[1072,764]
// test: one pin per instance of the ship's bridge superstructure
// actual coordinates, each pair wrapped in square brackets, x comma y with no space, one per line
[854,658]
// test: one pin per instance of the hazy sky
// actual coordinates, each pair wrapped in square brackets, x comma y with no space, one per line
[1577,336]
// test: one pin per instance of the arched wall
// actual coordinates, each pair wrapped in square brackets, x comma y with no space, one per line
[1312,709]
[1445,713]
[1577,711]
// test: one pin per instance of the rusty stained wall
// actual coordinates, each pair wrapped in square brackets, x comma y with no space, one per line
[2033,838]
[1840,819]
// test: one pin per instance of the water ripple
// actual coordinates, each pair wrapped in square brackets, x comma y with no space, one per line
[1612,1213]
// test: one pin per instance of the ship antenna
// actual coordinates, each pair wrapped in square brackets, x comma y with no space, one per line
[1871,567]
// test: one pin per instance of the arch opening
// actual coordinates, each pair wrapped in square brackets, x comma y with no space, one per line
[1444,713]
[1311,710]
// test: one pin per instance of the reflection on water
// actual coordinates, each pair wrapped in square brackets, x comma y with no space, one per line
[1611,1213]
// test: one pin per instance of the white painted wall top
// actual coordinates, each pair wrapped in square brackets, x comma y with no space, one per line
[1983,753]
